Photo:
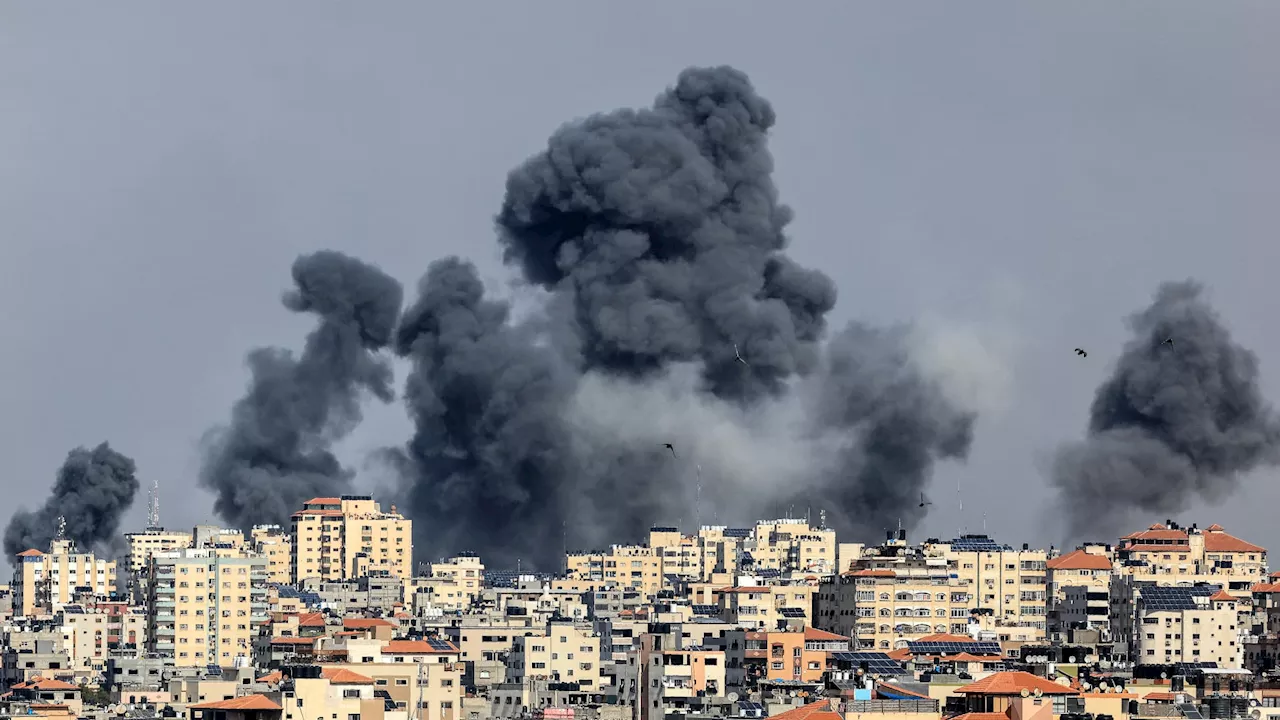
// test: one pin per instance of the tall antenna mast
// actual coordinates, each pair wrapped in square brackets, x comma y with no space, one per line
[62,528]
[960,499]
[153,507]
[822,519]
[697,502]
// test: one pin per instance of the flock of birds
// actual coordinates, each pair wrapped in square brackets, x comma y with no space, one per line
[924,502]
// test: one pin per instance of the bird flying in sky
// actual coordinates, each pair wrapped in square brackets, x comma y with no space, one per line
[1168,341]
[924,502]
[672,448]
[737,355]
[1081,353]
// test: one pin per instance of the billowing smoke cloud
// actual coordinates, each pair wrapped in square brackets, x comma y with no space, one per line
[275,454]
[658,237]
[1171,423]
[92,491]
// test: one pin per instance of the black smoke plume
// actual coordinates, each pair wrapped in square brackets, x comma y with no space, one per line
[1173,422]
[92,491]
[658,237]
[275,454]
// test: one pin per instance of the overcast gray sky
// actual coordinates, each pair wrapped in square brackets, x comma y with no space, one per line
[1031,171]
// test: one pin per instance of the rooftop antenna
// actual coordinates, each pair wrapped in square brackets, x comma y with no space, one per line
[564,544]
[960,499]
[822,519]
[697,501]
[153,507]
[62,528]
[984,523]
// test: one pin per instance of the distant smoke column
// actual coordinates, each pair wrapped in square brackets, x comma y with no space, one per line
[275,454]
[896,423]
[489,465]
[665,228]
[92,491]
[1172,422]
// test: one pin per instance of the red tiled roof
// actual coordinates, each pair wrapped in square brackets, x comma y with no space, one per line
[820,710]
[872,572]
[899,690]
[366,623]
[822,635]
[1214,528]
[292,641]
[343,676]
[39,683]
[1215,540]
[982,716]
[247,702]
[271,677]
[30,553]
[311,620]
[323,501]
[1221,596]
[899,654]
[1156,532]
[1266,588]
[413,647]
[1013,682]
[1079,560]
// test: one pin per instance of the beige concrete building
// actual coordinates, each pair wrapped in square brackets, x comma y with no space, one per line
[350,537]
[635,567]
[204,608]
[274,545]
[45,582]
[1187,625]
[791,545]
[563,652]
[466,572]
[1174,555]
[1012,583]
[153,540]
[883,610]
[1079,589]
[92,633]
[215,536]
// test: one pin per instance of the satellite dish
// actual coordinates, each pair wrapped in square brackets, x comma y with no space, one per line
[1071,660]
[121,709]
[1086,687]
[1064,682]
[1039,692]
[1025,692]
[1164,676]
[733,697]
[1255,714]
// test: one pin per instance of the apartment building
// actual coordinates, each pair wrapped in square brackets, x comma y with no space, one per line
[204,607]
[1173,555]
[670,680]
[884,609]
[1079,589]
[1010,582]
[465,571]
[45,582]
[790,545]
[1187,625]
[92,633]
[349,537]
[563,652]
[274,545]
[634,567]
[152,540]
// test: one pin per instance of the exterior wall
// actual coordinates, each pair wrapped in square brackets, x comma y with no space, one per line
[348,537]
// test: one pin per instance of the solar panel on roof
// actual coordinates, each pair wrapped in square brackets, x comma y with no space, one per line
[706,610]
[440,645]
[789,612]
[737,532]
[748,705]
[878,663]
[951,648]
[769,573]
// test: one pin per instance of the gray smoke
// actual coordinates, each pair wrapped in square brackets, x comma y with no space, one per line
[92,491]
[275,454]
[657,235]
[1170,424]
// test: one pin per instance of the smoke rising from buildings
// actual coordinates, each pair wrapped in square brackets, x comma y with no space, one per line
[1173,422]
[92,491]
[658,238]
[276,452]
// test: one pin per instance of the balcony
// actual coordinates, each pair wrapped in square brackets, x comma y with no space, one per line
[168,604]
